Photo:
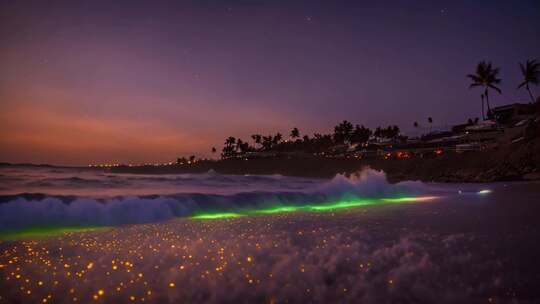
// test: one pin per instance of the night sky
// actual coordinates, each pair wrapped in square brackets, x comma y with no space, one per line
[96,81]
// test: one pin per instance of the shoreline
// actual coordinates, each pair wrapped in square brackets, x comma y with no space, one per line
[511,163]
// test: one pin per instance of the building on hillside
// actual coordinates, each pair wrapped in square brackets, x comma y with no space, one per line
[512,113]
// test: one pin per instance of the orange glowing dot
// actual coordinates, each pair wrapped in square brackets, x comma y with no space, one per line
[171,285]
[249,259]
[101,292]
[90,265]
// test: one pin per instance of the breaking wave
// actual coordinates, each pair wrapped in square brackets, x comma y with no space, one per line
[31,209]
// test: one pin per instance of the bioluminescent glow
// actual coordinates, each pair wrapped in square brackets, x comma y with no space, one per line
[278,209]
[322,207]
[342,204]
[410,199]
[215,215]
[39,232]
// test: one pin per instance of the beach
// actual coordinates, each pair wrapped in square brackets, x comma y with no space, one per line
[466,247]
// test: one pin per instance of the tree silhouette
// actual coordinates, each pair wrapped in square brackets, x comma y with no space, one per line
[415,124]
[531,75]
[485,76]
[242,146]
[360,134]
[277,138]
[214,150]
[229,149]
[257,138]
[430,120]
[482,96]
[342,132]
[295,133]
[239,143]
[267,142]
[390,132]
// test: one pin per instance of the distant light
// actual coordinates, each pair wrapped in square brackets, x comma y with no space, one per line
[485,191]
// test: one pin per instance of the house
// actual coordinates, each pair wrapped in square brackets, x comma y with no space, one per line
[513,113]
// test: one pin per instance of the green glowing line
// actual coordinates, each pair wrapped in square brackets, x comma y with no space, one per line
[42,232]
[348,203]
[342,204]
[279,209]
[399,200]
[211,216]
[409,199]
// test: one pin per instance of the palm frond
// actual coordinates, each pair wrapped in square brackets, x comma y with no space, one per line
[495,88]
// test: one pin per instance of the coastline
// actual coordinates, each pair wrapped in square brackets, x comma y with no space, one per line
[519,162]
[513,162]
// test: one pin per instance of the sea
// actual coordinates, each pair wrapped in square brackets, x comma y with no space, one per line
[218,238]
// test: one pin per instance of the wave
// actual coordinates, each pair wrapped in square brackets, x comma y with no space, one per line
[35,209]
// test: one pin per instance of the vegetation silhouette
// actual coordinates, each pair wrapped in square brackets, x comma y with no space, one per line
[486,76]
[531,75]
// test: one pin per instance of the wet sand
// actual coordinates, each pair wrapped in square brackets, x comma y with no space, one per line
[470,248]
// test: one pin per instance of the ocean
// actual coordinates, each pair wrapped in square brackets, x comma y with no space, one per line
[93,235]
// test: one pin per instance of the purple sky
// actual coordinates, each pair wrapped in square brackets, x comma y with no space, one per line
[130,81]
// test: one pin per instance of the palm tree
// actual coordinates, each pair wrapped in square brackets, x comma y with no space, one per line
[229,148]
[257,138]
[430,120]
[485,76]
[295,133]
[531,75]
[214,150]
[277,138]
[482,96]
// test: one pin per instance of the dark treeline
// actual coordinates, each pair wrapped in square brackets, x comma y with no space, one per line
[345,133]
[485,76]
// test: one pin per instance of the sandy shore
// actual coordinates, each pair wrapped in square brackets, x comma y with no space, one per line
[450,251]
